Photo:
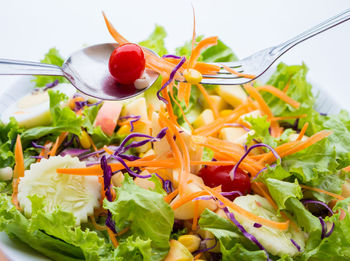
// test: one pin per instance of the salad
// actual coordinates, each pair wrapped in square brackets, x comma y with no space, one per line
[183,171]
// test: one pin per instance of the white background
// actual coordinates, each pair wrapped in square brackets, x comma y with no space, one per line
[29,28]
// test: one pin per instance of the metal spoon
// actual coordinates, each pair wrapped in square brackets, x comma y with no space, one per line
[86,69]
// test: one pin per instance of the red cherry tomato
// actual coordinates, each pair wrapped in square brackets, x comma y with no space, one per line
[214,176]
[127,63]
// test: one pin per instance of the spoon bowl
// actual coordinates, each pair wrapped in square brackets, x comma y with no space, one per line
[87,70]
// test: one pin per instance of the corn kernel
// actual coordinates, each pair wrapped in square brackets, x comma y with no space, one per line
[124,130]
[225,113]
[85,140]
[191,242]
[192,76]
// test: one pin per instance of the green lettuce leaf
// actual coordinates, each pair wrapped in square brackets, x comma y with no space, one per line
[146,213]
[336,246]
[63,119]
[308,163]
[155,41]
[134,249]
[47,232]
[281,191]
[51,57]
[299,90]
[233,245]
[8,134]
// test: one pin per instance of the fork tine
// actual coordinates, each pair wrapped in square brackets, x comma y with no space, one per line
[221,81]
[235,64]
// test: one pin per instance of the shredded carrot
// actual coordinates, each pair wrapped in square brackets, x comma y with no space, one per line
[230,70]
[288,117]
[18,170]
[205,43]
[123,231]
[218,124]
[302,132]
[206,68]
[209,101]
[108,150]
[96,170]
[286,88]
[58,143]
[347,168]
[185,152]
[112,237]
[323,191]
[97,226]
[168,198]
[280,94]
[188,197]
[197,256]
[260,188]
[114,33]
[195,215]
[169,107]
[102,191]
[187,93]
[242,211]
[256,95]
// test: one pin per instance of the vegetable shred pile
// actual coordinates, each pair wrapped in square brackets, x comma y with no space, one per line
[184,171]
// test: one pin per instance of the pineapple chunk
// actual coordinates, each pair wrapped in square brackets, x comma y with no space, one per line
[178,252]
[206,117]
[143,182]
[220,103]
[162,147]
[139,107]
[231,133]
[232,94]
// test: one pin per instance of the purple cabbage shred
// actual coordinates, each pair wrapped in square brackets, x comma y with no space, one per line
[171,78]
[51,85]
[35,145]
[233,171]
[296,245]
[257,225]
[134,118]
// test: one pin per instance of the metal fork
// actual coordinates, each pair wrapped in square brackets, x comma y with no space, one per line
[259,62]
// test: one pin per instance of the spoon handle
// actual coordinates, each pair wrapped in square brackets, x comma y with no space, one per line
[14,67]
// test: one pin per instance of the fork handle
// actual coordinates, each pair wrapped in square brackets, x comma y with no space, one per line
[329,23]
[14,67]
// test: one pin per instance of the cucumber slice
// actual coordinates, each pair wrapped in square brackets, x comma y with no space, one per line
[78,195]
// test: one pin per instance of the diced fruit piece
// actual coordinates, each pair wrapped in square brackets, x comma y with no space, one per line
[195,150]
[252,114]
[178,252]
[127,63]
[78,195]
[175,178]
[225,113]
[108,115]
[191,242]
[138,107]
[243,139]
[214,176]
[277,242]
[206,117]
[162,147]
[232,94]
[117,179]
[231,133]
[186,211]
[294,136]
[210,242]
[220,103]
[144,182]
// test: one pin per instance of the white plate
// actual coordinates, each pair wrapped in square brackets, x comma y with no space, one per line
[17,251]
